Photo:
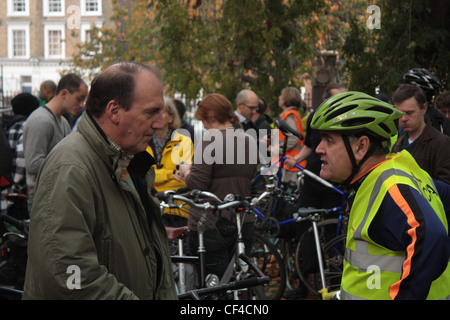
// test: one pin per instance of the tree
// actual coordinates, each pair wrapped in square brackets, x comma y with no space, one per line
[413,34]
[225,46]
[221,46]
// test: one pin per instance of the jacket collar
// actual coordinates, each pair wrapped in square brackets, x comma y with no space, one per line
[427,132]
[100,143]
[89,128]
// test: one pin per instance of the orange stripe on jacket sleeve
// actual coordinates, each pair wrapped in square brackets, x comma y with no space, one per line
[401,202]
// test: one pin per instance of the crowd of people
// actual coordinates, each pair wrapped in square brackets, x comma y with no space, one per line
[91,160]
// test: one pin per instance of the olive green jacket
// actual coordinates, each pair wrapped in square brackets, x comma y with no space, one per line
[90,235]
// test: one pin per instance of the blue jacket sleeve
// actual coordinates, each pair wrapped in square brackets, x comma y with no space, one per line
[408,223]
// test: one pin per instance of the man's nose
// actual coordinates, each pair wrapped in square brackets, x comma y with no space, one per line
[319,149]
[158,122]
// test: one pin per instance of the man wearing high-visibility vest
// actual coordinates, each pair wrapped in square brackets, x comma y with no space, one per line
[397,240]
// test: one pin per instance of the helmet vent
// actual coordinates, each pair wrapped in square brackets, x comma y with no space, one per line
[340,111]
[381,109]
[385,128]
[336,103]
[355,122]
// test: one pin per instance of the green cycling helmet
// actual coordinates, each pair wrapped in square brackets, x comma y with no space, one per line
[353,112]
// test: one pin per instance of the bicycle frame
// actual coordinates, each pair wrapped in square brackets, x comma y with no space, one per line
[341,209]
[314,216]
[284,127]
[240,257]
[281,160]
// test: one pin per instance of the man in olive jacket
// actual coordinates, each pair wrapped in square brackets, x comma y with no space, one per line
[95,227]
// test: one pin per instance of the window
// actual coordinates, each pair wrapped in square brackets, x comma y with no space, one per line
[26,84]
[85,35]
[54,7]
[91,7]
[54,41]
[19,43]
[18,40]
[18,7]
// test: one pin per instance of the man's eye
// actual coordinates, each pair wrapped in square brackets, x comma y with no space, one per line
[153,112]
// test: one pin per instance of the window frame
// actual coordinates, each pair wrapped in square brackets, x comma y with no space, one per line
[15,26]
[87,26]
[10,12]
[46,9]
[84,11]
[54,27]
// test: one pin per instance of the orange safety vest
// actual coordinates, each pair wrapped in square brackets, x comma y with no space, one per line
[294,151]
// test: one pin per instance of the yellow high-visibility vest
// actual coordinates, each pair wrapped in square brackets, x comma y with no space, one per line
[362,254]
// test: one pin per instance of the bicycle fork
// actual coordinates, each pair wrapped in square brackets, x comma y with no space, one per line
[201,249]
[319,254]
[241,245]
[181,268]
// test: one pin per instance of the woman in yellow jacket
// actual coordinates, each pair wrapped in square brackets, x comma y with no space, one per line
[170,148]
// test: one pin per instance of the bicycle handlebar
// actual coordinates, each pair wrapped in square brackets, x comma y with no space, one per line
[19,224]
[319,179]
[169,197]
[285,128]
[208,205]
[186,192]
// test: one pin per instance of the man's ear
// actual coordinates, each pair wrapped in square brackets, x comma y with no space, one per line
[360,147]
[113,111]
[424,110]
[64,92]
[239,106]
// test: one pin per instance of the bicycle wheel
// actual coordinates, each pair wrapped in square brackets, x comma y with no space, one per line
[333,248]
[267,258]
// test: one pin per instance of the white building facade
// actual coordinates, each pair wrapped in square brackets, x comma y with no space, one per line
[38,38]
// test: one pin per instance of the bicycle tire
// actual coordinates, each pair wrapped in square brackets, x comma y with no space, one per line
[332,247]
[268,259]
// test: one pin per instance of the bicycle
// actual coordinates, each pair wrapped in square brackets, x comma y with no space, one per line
[13,248]
[323,278]
[243,275]
[269,222]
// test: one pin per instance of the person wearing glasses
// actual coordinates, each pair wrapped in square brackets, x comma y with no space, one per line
[247,103]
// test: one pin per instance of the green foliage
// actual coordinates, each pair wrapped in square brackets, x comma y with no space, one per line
[211,46]
[227,45]
[413,34]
